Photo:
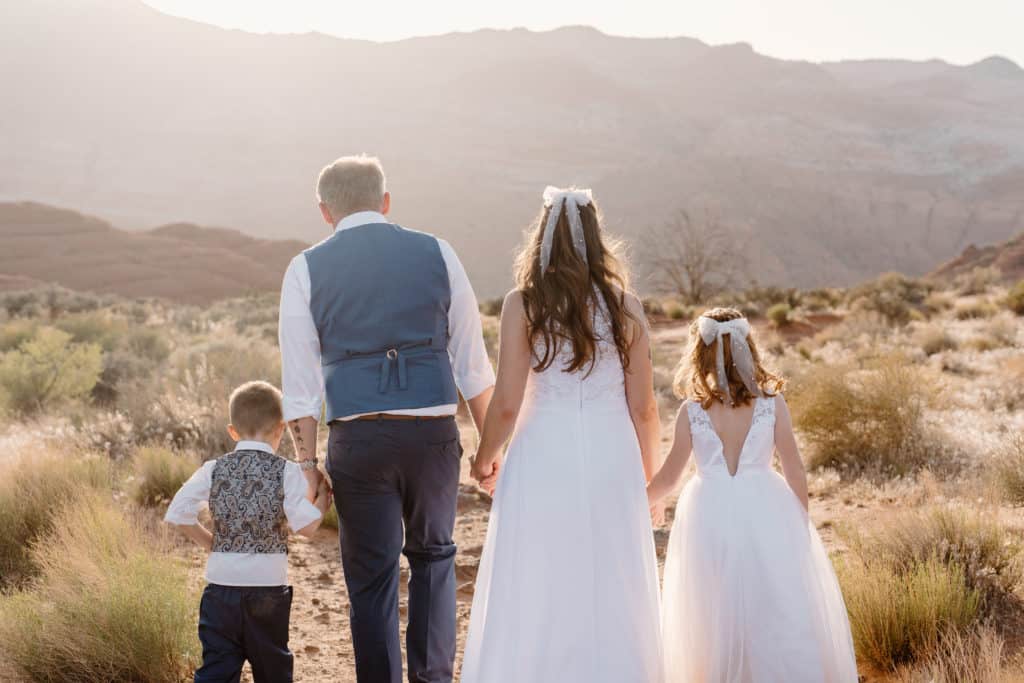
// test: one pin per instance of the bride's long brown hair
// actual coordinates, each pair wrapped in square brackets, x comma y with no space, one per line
[560,303]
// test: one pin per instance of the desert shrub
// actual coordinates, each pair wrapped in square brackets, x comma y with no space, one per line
[187,408]
[978,281]
[856,327]
[1015,299]
[491,328]
[893,296]
[491,307]
[974,310]
[110,604]
[1008,470]
[159,473]
[821,299]
[779,314]
[93,328]
[16,332]
[139,354]
[973,543]
[653,307]
[675,312]
[937,302]
[330,520]
[866,419]
[32,490]
[900,617]
[48,370]
[935,339]
[972,657]
[998,333]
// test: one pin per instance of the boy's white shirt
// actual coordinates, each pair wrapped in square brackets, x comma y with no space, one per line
[245,569]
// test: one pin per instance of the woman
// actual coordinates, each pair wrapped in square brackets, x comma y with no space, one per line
[567,588]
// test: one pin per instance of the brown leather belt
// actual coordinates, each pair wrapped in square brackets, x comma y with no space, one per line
[390,416]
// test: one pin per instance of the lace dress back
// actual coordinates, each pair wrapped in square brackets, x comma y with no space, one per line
[758,448]
[601,385]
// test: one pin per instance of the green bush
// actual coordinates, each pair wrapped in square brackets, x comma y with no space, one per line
[867,419]
[32,491]
[779,314]
[675,312]
[48,370]
[159,473]
[16,332]
[111,604]
[1015,299]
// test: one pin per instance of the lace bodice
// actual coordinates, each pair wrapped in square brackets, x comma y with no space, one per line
[758,447]
[604,383]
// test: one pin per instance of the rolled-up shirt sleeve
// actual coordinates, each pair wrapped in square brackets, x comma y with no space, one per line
[466,348]
[297,508]
[302,380]
[193,495]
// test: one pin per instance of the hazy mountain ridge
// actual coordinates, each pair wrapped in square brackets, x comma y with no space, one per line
[180,262]
[830,172]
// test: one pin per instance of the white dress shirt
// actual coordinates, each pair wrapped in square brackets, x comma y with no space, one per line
[245,569]
[301,375]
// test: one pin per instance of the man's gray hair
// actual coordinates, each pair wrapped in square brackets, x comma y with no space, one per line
[351,184]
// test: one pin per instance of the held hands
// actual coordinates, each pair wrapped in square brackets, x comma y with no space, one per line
[486,473]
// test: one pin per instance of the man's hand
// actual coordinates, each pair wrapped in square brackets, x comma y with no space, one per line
[485,473]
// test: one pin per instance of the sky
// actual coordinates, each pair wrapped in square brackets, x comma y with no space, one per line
[958,31]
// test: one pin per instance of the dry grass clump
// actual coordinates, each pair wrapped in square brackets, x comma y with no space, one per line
[868,419]
[1015,298]
[110,604]
[918,588]
[900,617]
[32,492]
[935,339]
[973,657]
[779,314]
[159,473]
[976,544]
[1008,470]
[974,310]
[978,281]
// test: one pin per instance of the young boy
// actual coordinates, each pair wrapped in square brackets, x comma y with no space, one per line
[254,496]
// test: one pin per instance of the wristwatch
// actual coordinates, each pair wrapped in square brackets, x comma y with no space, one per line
[307,465]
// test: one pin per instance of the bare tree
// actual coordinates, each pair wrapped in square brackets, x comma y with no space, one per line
[692,257]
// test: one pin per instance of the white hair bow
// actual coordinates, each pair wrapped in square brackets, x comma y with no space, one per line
[572,199]
[742,359]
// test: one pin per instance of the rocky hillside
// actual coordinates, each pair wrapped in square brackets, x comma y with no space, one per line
[1007,258]
[180,262]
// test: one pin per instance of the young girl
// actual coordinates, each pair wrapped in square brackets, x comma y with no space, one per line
[750,595]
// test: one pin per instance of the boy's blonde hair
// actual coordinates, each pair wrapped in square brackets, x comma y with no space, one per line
[697,377]
[255,409]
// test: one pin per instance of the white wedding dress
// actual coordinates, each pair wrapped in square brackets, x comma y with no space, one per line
[567,589]
[750,594]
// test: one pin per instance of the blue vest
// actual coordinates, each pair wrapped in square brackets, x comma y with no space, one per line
[379,297]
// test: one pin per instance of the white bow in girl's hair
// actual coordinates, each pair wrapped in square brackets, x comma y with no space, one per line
[572,199]
[742,358]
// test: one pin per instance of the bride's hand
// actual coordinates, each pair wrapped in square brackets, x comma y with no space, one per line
[658,515]
[485,474]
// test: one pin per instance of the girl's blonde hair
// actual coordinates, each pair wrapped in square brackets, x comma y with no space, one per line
[696,377]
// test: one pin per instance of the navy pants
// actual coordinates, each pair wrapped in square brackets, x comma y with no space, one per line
[236,624]
[396,487]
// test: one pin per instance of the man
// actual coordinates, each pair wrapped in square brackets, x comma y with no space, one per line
[379,326]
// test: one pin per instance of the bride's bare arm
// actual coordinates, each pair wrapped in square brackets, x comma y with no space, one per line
[671,474]
[513,369]
[789,452]
[643,406]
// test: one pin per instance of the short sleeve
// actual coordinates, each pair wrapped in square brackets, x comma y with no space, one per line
[297,508]
[191,497]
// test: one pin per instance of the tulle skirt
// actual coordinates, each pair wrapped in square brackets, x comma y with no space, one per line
[750,595]
[567,589]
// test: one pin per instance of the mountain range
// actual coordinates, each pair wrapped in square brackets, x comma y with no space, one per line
[828,173]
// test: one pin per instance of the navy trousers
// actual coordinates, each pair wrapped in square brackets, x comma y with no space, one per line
[236,624]
[395,488]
